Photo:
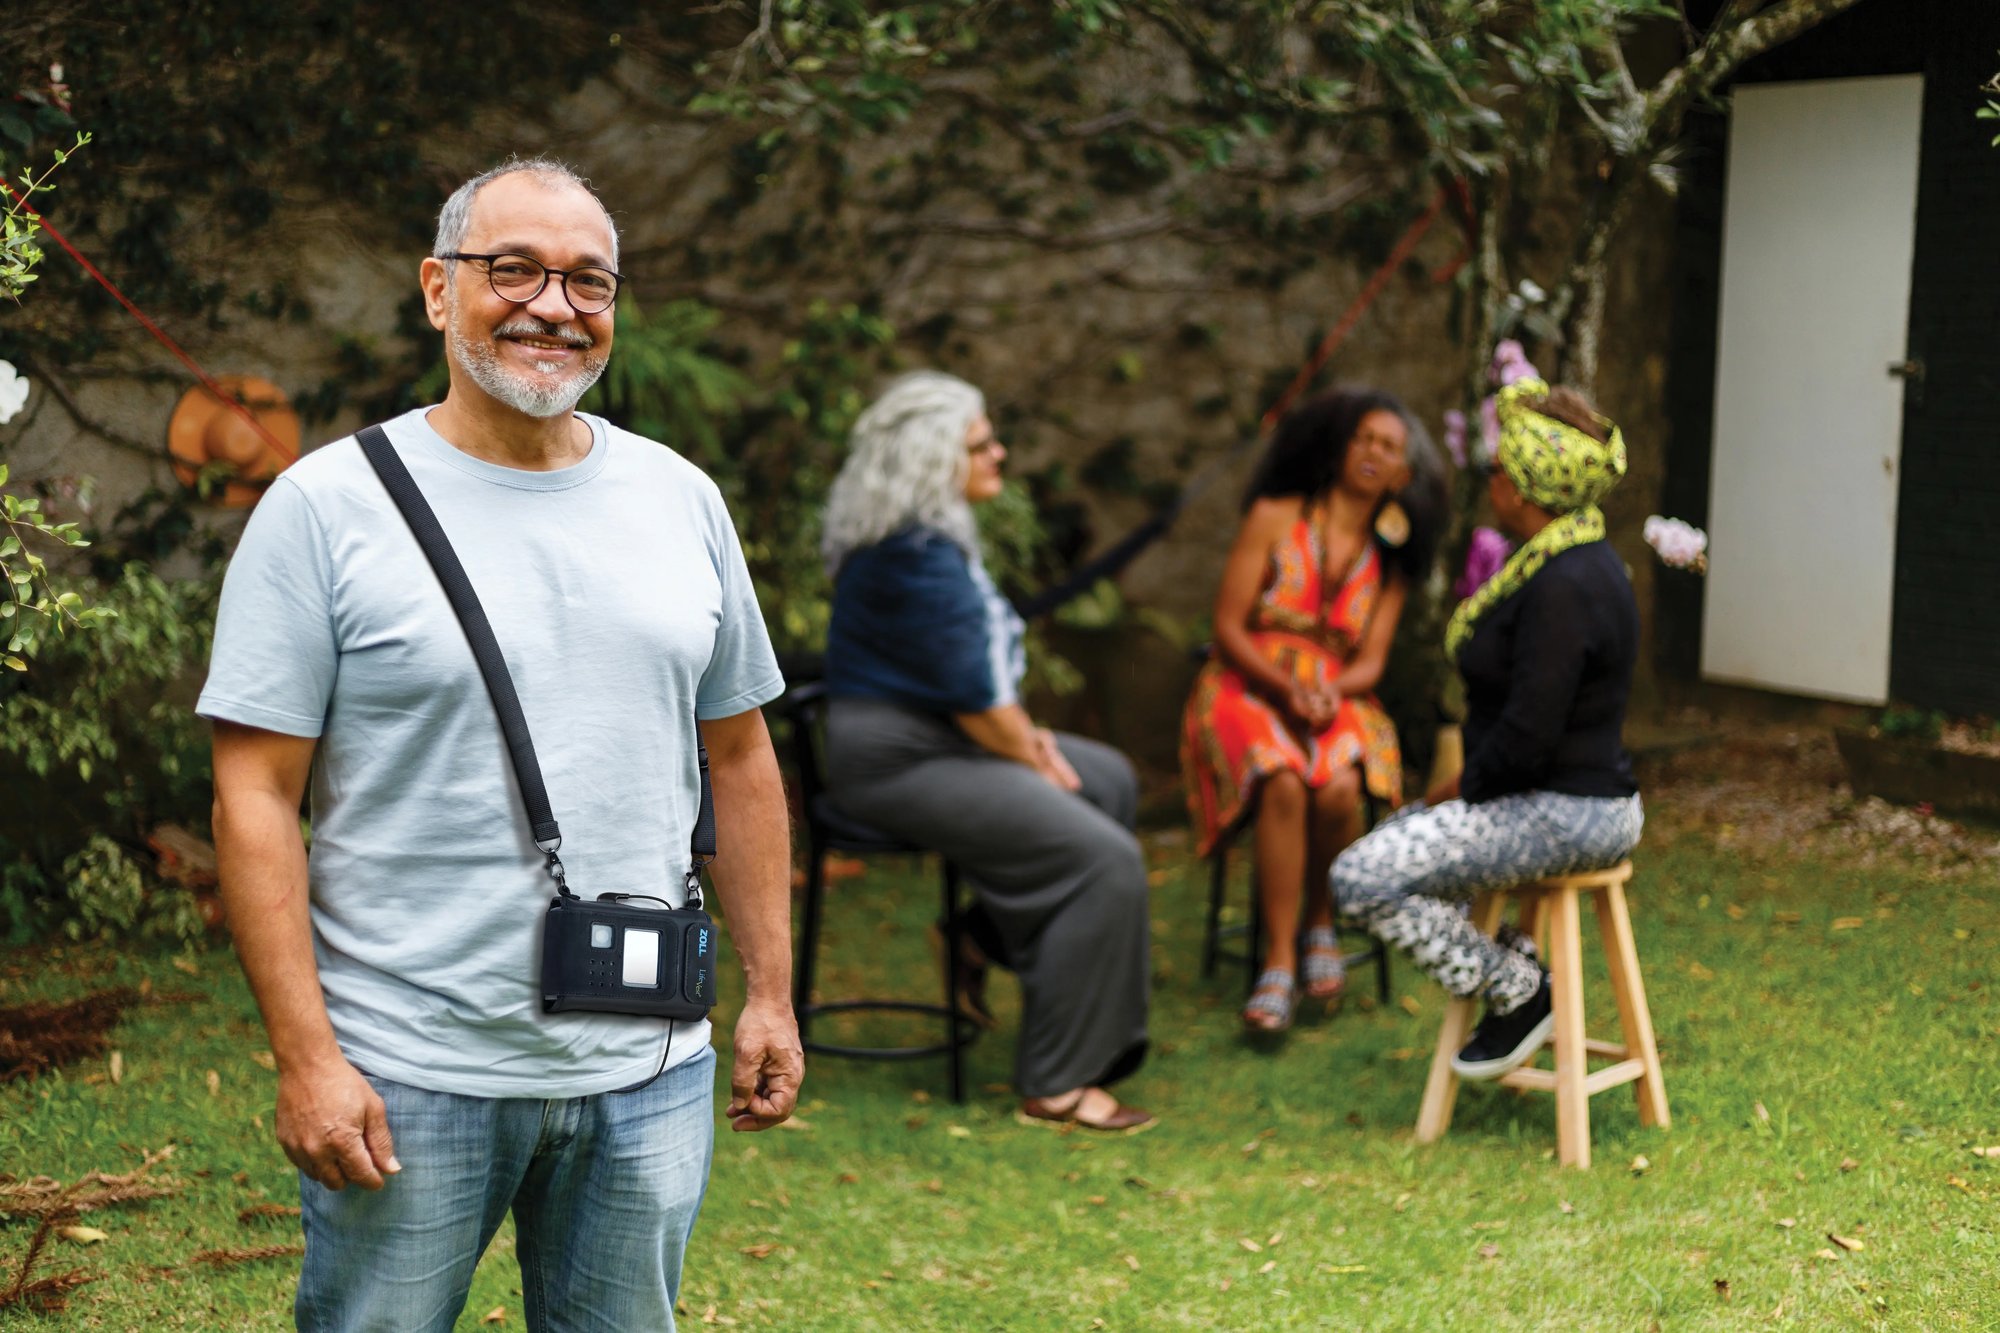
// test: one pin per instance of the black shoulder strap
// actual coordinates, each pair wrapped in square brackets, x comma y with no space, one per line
[451,576]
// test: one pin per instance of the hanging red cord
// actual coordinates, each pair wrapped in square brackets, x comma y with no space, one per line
[1366,297]
[229,400]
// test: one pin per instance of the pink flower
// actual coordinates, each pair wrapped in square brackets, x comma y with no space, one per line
[1510,363]
[1483,559]
[1489,429]
[1679,545]
[1454,437]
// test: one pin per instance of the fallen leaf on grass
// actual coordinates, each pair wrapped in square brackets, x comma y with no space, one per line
[1763,1116]
[265,1058]
[1788,1222]
[1276,1236]
[1566,1206]
[1735,912]
[225,1258]
[1402,1202]
[214,1081]
[1961,934]
[1227,1283]
[848,1178]
[934,1186]
[1132,1262]
[497,1315]
[1848,1164]
[1956,1183]
[1489,1251]
[1826,1254]
[1786,918]
[1845,1242]
[762,1250]
[958,1131]
[1994,1151]
[1640,1165]
[1269,1265]
[117,1066]
[1249,1245]
[1849,922]
[1700,973]
[1409,1002]
[83,1235]
[187,965]
[1343,1268]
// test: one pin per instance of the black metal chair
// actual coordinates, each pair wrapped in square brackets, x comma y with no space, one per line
[1376,953]
[830,831]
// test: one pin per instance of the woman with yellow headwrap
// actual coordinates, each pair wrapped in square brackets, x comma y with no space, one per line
[1546,648]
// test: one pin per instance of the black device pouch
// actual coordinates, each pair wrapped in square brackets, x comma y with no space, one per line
[606,955]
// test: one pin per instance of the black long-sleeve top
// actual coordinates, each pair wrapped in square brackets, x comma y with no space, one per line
[1548,673]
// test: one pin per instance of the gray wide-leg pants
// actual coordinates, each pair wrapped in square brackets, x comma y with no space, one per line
[1404,880]
[1058,873]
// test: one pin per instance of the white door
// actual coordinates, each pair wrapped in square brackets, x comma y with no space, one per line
[1818,234]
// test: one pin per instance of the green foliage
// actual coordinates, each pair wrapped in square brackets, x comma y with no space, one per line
[1914,724]
[18,226]
[32,604]
[109,898]
[664,384]
[99,745]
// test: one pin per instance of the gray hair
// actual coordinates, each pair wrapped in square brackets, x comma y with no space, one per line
[455,218]
[906,465]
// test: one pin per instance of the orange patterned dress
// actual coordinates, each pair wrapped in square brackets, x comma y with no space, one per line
[1231,739]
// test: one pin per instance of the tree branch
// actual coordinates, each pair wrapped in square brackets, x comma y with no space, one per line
[1726,48]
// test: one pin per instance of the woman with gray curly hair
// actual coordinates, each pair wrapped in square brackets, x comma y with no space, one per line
[927,740]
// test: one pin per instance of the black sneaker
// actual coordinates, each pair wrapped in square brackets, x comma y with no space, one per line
[1503,1042]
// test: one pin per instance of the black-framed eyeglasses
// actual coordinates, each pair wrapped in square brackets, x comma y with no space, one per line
[521,278]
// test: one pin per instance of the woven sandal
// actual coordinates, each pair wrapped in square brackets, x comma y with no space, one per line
[1322,967]
[1271,1003]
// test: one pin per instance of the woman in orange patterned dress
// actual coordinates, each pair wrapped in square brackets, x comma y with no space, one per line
[1282,726]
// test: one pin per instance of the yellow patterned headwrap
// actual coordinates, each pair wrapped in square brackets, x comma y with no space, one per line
[1558,467]
[1552,463]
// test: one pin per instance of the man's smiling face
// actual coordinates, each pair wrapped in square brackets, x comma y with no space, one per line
[539,356]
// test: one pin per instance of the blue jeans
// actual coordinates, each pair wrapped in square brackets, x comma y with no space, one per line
[604,1191]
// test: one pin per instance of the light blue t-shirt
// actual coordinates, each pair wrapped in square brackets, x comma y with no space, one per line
[617,590]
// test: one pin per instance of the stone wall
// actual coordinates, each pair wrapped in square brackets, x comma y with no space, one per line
[1156,352]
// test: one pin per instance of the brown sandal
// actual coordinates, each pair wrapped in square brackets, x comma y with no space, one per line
[1045,1113]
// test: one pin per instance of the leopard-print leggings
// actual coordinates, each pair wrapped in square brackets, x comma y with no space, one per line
[1407,880]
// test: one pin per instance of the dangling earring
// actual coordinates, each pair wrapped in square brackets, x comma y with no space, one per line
[1392,523]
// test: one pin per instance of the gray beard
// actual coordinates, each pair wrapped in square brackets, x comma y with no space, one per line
[537,395]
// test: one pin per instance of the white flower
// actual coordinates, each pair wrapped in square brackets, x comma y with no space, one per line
[13,392]
[1679,545]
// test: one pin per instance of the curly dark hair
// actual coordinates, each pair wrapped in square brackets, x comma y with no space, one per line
[1308,451]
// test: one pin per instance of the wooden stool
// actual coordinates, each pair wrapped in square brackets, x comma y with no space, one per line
[1550,908]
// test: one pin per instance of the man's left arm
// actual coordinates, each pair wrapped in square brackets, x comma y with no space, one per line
[753,874]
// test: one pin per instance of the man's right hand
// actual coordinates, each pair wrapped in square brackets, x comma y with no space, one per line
[334,1127]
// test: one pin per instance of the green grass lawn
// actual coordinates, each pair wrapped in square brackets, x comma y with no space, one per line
[1282,1189]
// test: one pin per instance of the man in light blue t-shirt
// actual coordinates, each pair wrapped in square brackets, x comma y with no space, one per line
[397,965]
